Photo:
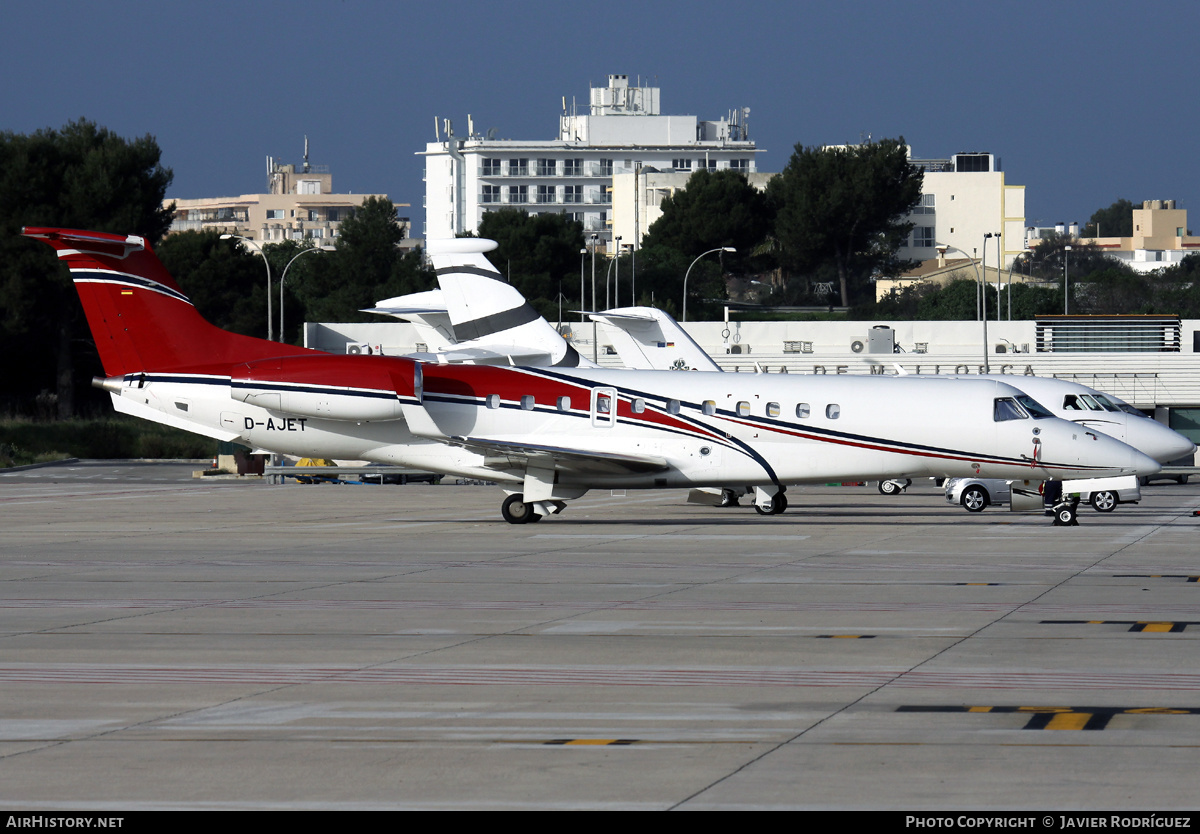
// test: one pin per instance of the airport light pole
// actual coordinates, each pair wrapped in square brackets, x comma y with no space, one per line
[945,247]
[999,263]
[608,305]
[983,295]
[633,273]
[617,279]
[595,347]
[582,255]
[283,278]
[270,312]
[1066,278]
[689,272]
[1010,272]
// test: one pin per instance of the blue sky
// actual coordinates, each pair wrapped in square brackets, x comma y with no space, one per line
[1084,103]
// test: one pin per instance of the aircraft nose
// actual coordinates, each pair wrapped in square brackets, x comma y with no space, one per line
[1103,454]
[1142,464]
[1158,441]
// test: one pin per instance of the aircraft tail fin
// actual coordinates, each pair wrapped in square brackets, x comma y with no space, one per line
[488,312]
[140,318]
[650,339]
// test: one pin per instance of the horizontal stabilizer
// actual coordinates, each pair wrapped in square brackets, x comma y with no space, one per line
[430,301]
[474,354]
[428,314]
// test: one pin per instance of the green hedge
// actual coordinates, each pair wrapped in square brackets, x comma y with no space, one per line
[27,441]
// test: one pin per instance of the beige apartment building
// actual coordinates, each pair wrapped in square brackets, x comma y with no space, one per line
[1160,238]
[299,203]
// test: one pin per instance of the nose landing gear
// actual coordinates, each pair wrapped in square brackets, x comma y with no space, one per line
[1066,512]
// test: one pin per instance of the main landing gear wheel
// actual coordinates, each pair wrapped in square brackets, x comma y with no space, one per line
[516,511]
[729,498]
[975,499]
[888,487]
[1104,501]
[778,505]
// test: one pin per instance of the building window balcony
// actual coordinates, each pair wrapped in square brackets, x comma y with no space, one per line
[922,237]
[547,168]
[546,194]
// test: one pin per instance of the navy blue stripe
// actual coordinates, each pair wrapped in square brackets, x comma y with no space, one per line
[471,270]
[122,279]
[495,323]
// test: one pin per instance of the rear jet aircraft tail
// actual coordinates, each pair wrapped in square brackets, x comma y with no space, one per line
[491,319]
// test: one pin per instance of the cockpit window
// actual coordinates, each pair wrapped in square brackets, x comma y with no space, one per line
[1128,409]
[1007,409]
[1071,403]
[1089,402]
[1036,410]
[1108,404]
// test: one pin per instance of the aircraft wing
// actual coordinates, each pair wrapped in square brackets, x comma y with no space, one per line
[502,454]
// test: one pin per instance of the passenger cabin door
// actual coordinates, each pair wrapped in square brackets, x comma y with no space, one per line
[604,407]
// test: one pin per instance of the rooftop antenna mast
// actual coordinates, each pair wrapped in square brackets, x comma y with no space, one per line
[306,169]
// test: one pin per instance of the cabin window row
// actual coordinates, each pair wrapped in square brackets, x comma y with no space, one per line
[527,402]
[638,406]
[772,409]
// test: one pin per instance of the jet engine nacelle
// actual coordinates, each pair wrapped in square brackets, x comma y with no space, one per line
[355,388]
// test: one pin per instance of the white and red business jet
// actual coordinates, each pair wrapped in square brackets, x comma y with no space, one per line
[550,434]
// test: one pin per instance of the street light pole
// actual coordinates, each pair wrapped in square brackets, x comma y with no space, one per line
[270,312]
[582,255]
[617,278]
[283,278]
[999,263]
[978,282]
[1066,278]
[595,347]
[1010,272]
[983,295]
[689,272]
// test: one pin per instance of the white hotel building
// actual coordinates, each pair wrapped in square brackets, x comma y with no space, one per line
[622,131]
